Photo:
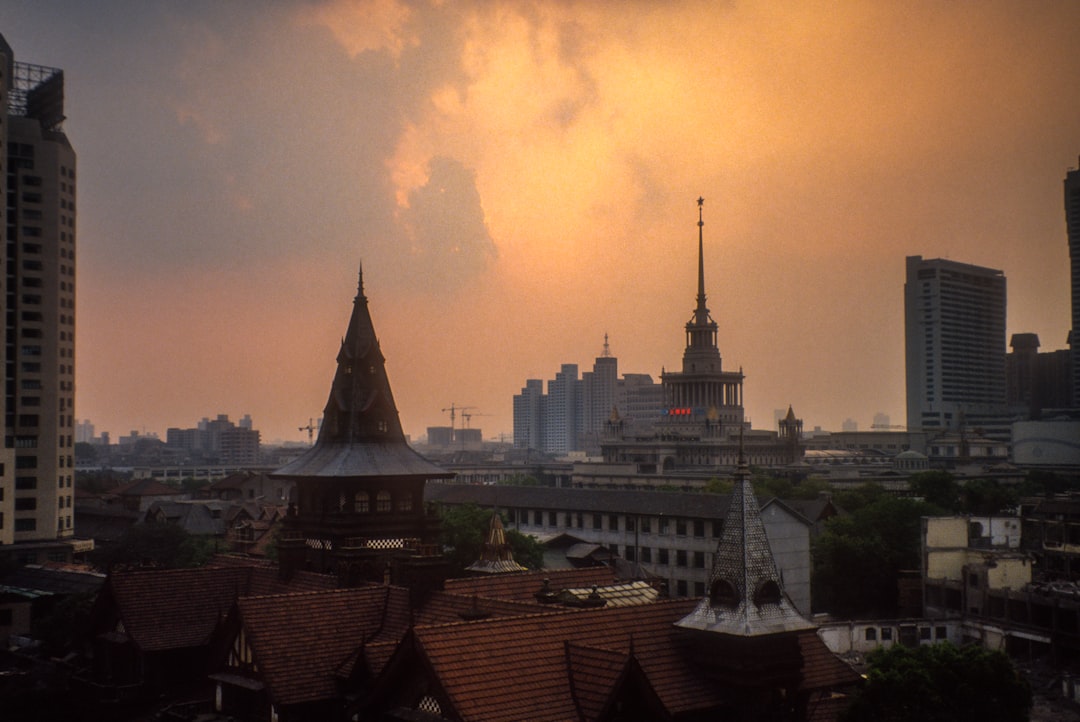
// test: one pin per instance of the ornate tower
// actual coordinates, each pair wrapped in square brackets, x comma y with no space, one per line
[745,632]
[359,510]
[703,394]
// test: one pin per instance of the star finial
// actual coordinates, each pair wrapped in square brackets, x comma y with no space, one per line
[700,205]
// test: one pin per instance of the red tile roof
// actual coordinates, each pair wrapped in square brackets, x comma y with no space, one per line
[178,608]
[302,642]
[524,586]
[567,666]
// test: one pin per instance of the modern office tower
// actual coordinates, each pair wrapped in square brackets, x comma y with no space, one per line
[528,416]
[598,392]
[562,411]
[38,178]
[1072,224]
[954,324]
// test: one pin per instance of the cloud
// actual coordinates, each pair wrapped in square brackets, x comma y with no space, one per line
[362,26]
[449,243]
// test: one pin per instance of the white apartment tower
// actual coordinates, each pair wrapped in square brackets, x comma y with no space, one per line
[954,323]
[38,294]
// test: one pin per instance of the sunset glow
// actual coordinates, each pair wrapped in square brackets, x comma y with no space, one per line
[520,178]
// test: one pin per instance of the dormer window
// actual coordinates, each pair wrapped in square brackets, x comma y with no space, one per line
[768,592]
[724,593]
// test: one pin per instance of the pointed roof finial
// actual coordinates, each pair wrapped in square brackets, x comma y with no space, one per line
[360,282]
[607,349]
[701,257]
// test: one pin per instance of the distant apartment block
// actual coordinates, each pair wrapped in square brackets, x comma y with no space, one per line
[219,439]
[37,184]
[575,412]
[954,322]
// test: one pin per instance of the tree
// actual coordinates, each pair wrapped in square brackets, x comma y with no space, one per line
[851,500]
[464,531]
[858,557]
[940,683]
[161,545]
[939,488]
[987,496]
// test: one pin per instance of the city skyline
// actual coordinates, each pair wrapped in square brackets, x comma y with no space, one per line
[519,180]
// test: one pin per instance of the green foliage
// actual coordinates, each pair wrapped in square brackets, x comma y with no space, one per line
[191,484]
[940,683]
[988,496]
[718,486]
[939,488]
[851,500]
[858,557]
[464,530]
[155,545]
[1045,483]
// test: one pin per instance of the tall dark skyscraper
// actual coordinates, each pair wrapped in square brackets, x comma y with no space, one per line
[954,324]
[1072,224]
[38,357]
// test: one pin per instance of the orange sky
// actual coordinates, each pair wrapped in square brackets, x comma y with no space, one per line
[519,179]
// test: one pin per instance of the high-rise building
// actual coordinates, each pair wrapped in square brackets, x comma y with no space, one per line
[598,392]
[562,411]
[954,323]
[38,358]
[528,416]
[1072,224]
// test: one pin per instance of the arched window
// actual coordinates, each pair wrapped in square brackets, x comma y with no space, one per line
[362,503]
[383,501]
[768,592]
[404,502]
[724,592]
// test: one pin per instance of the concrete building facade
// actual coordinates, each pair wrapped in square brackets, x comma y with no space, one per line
[38,220]
[954,323]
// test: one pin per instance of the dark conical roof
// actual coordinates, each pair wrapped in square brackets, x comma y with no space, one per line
[361,433]
[746,595]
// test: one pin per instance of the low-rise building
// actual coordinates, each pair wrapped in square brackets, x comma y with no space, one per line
[671,535]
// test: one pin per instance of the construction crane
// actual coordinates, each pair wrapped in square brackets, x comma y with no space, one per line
[465,418]
[454,409]
[310,429]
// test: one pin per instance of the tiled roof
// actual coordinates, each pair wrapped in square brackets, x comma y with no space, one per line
[361,434]
[593,674]
[516,668]
[746,594]
[301,641]
[566,666]
[524,586]
[616,595]
[444,608]
[180,608]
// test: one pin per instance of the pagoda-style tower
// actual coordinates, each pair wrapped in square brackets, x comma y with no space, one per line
[703,395]
[359,507]
[496,556]
[745,632]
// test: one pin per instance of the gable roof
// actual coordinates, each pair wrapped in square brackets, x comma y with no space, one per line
[571,665]
[302,642]
[165,609]
[517,668]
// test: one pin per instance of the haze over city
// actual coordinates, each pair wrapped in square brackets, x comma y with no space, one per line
[519,179]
